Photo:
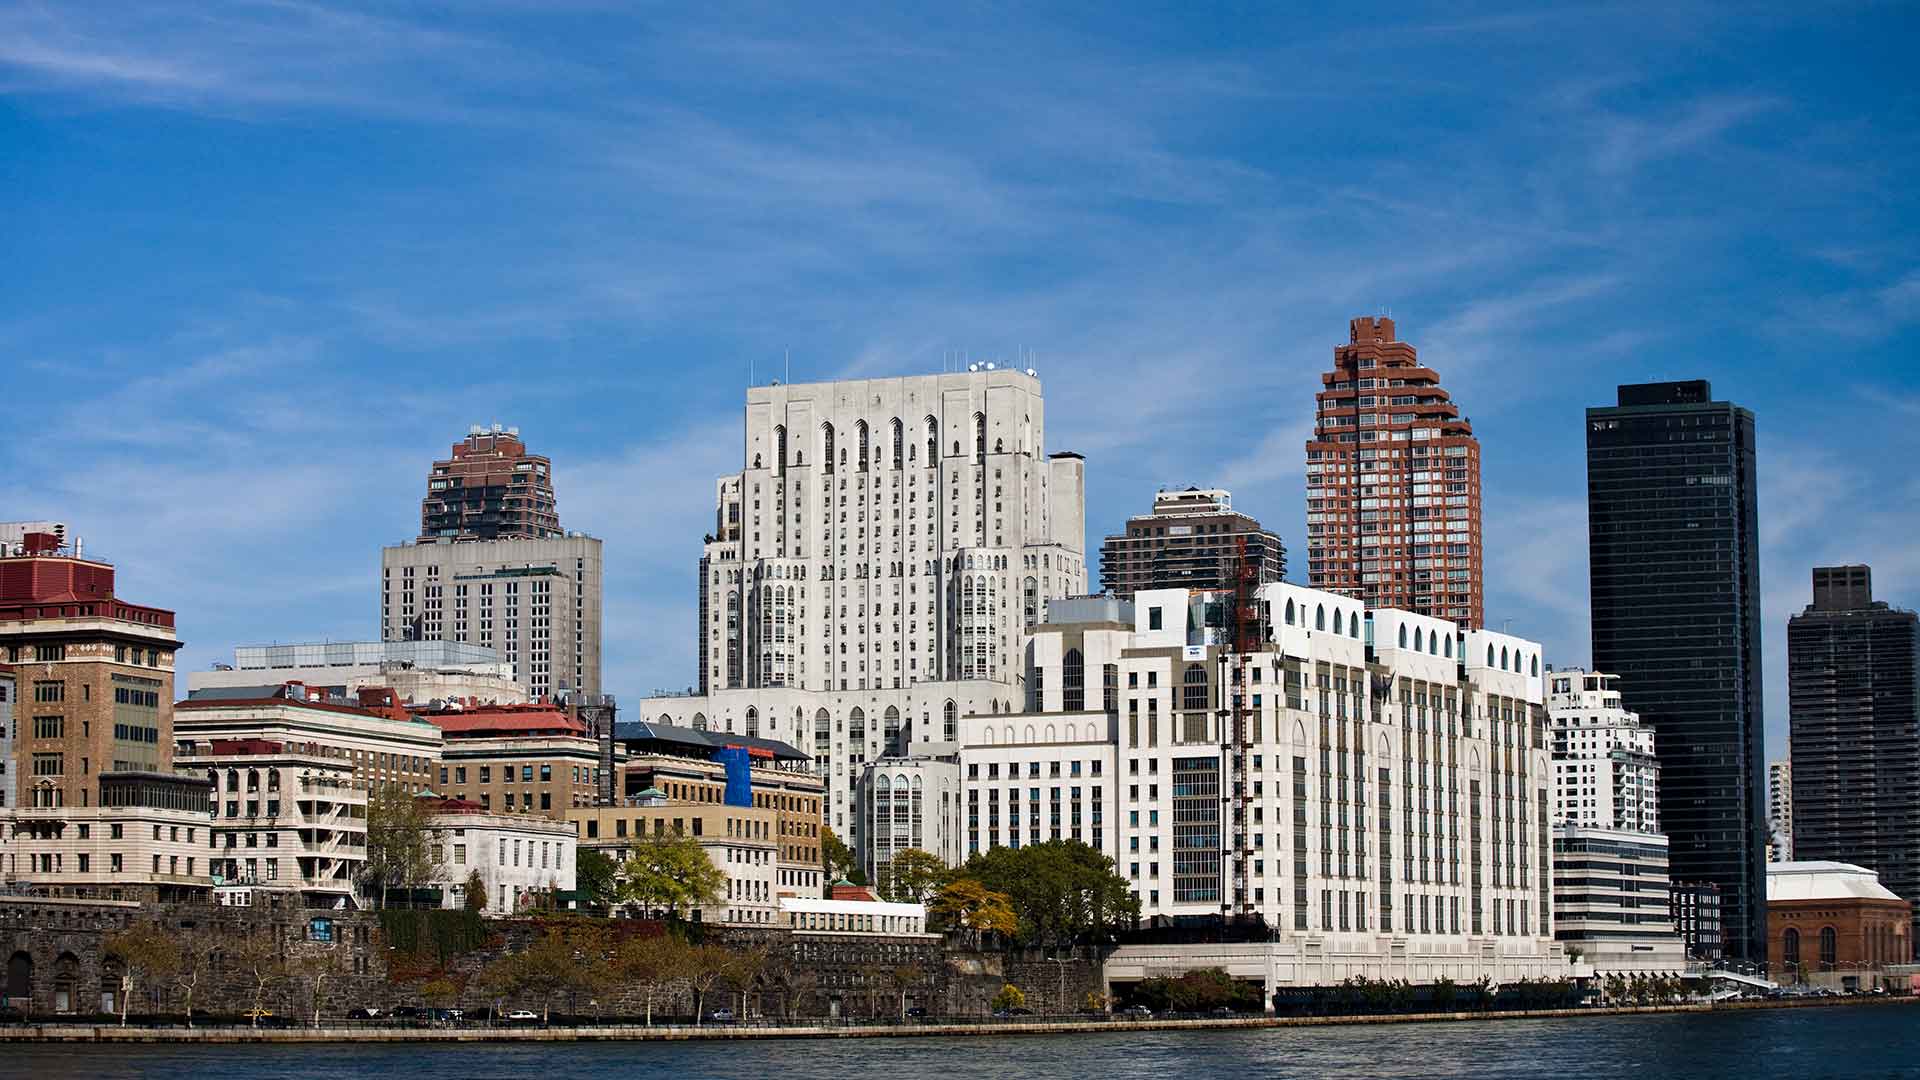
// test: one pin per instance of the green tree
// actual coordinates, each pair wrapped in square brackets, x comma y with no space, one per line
[669,872]
[597,876]
[1009,998]
[559,960]
[651,964]
[965,905]
[145,953]
[911,876]
[839,859]
[473,896]
[440,993]
[400,852]
[1060,890]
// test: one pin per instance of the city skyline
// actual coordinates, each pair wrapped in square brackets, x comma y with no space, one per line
[242,438]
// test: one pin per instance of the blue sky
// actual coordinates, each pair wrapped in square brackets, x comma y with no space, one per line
[264,261]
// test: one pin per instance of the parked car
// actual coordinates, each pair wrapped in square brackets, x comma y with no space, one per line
[444,1016]
[1137,1012]
[721,1016]
[405,1012]
[521,1016]
[366,1012]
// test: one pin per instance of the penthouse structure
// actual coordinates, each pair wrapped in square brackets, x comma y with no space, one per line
[92,672]
[490,488]
[1393,483]
[1193,539]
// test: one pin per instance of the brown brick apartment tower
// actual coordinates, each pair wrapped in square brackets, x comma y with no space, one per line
[490,489]
[1393,483]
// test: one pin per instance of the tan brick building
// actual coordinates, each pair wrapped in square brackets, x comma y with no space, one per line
[93,675]
[387,747]
[741,840]
[518,759]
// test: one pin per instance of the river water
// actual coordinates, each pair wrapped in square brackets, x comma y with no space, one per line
[1863,1042]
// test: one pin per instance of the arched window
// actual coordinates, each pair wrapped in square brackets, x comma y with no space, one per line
[980,434]
[890,728]
[1449,646]
[860,429]
[780,450]
[1403,636]
[1289,612]
[1534,664]
[753,722]
[699,721]
[1790,946]
[950,722]
[20,975]
[1503,659]
[1193,692]
[1073,681]
[1320,616]
[1339,621]
[933,442]
[899,444]
[1829,947]
[1489,655]
[857,726]
[826,444]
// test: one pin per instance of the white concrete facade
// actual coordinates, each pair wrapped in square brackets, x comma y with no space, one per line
[536,601]
[1386,809]
[884,532]
[516,856]
[1780,811]
[814,915]
[908,804]
[1605,772]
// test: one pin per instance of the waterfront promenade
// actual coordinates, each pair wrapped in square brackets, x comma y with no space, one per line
[365,1033]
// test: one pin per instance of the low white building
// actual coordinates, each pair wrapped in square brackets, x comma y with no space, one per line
[817,915]
[518,856]
[146,840]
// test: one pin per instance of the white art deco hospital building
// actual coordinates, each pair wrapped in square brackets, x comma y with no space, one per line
[1396,778]
[873,567]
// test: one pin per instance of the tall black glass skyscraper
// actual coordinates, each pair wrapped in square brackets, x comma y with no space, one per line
[1674,560]
[1853,684]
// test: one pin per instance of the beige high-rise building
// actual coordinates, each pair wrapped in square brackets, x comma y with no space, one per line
[535,601]
[886,532]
